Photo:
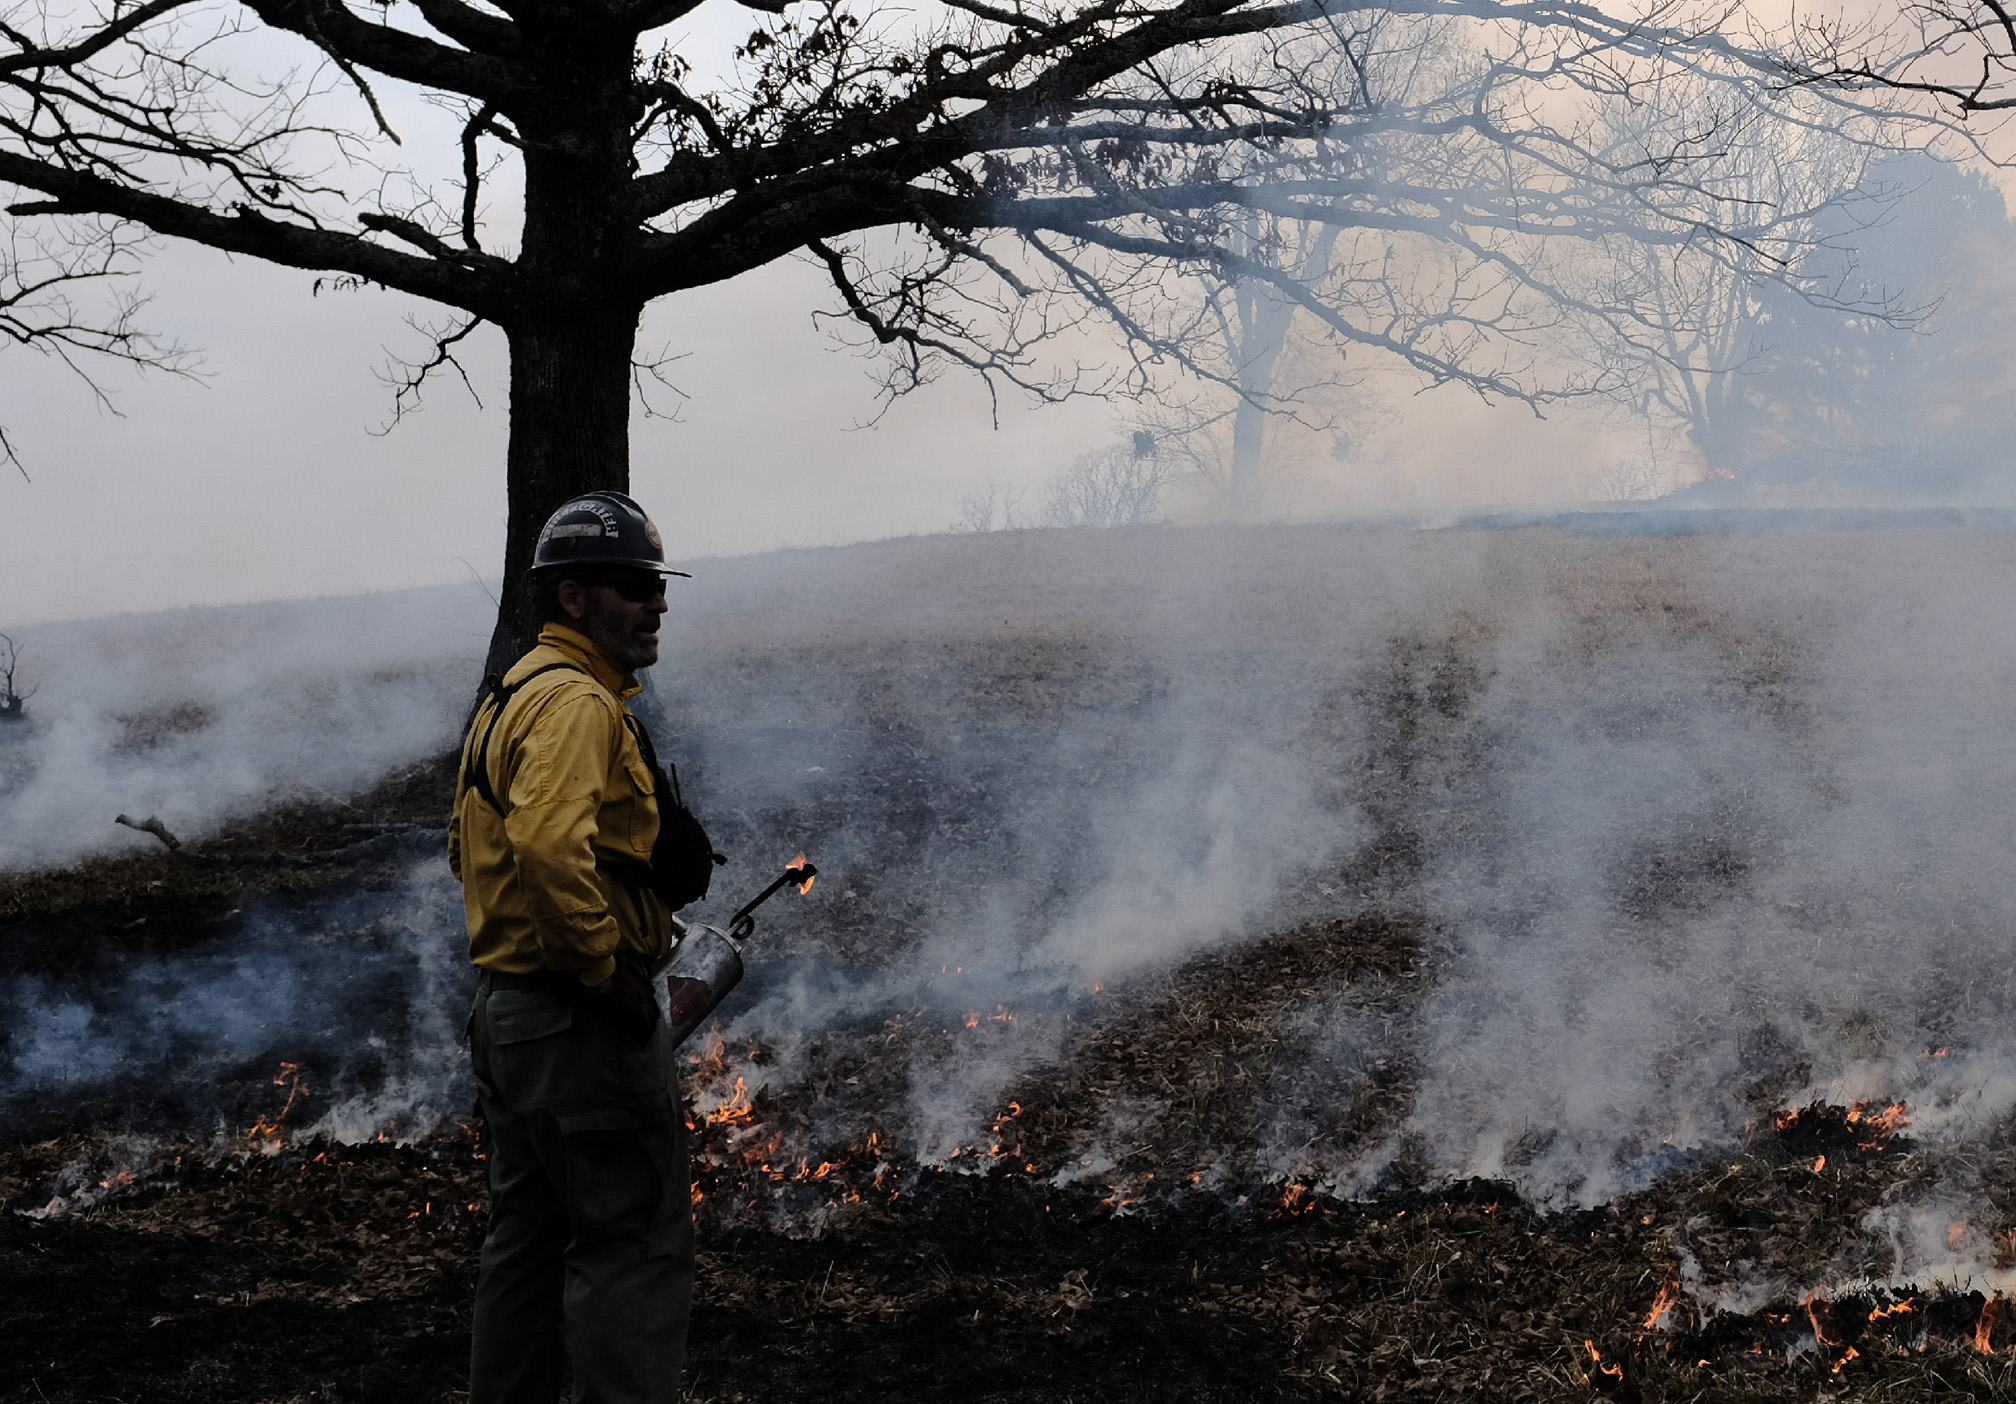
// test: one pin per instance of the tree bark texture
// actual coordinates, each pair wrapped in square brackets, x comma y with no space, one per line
[570,434]
[573,323]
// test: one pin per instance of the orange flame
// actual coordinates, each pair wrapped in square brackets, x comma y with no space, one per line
[267,1128]
[737,1109]
[711,1060]
[799,862]
[1881,1122]
[1661,1305]
[1860,1115]
[1809,1301]
[1997,1310]
[1909,1304]
[1616,1372]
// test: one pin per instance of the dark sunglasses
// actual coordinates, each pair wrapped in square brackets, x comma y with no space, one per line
[636,586]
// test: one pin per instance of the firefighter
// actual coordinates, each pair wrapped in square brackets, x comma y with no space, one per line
[573,849]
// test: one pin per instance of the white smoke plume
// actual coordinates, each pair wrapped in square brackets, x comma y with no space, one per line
[200,716]
[360,995]
[1726,830]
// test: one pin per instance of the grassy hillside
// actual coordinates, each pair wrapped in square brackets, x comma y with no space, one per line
[1247,963]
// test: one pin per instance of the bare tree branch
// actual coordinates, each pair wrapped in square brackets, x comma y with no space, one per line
[646,372]
[1008,363]
[409,379]
[472,175]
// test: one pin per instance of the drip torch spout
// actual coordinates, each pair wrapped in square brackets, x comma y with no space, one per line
[743,922]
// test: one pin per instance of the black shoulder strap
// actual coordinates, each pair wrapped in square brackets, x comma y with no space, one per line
[667,775]
[476,768]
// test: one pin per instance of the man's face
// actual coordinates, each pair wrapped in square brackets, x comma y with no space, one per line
[622,625]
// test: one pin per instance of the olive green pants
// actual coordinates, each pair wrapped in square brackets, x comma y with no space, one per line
[590,1252]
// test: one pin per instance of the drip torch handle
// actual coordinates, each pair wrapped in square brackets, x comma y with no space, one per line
[742,920]
[679,929]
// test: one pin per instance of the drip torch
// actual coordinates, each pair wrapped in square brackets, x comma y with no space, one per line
[707,961]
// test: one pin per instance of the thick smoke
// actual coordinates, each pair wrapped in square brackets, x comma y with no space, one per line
[1022,810]
[1696,830]
[1691,831]
[358,998]
[1019,781]
[200,716]
[1724,830]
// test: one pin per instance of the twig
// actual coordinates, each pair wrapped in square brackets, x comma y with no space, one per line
[152,825]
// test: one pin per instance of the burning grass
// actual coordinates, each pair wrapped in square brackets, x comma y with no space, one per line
[214,1272]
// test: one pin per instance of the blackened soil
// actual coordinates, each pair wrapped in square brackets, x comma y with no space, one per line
[290,1278]
[989,1289]
[94,1312]
[346,1276]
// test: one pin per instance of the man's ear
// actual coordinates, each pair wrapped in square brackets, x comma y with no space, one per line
[573,598]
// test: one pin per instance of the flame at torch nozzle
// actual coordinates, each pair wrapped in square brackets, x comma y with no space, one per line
[798,874]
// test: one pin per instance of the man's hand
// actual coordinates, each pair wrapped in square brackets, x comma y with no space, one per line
[631,1006]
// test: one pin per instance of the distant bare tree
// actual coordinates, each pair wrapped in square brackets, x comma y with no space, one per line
[991,508]
[1899,378]
[1242,346]
[1119,485]
[13,701]
[1691,363]
[1595,306]
[1638,478]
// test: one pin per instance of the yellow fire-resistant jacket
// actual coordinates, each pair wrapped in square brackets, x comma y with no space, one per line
[575,789]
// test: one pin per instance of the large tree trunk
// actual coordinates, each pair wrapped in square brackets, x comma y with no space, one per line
[570,434]
[574,324]
[1264,319]
[1265,337]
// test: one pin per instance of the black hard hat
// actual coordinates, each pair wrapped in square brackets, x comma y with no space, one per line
[601,529]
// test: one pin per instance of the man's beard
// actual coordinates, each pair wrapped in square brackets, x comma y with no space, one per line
[618,646]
